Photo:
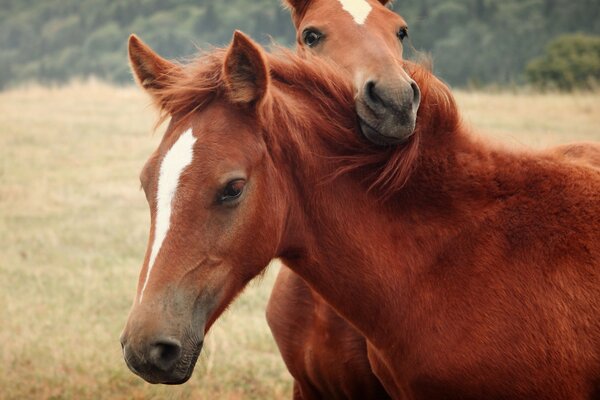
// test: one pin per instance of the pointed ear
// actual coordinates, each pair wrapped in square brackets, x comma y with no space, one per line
[296,5]
[298,8]
[245,71]
[151,71]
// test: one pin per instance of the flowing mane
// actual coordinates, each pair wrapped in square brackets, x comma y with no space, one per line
[386,170]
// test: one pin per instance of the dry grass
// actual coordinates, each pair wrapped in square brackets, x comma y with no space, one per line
[533,120]
[73,227]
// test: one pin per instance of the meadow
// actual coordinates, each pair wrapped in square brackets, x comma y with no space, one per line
[74,226]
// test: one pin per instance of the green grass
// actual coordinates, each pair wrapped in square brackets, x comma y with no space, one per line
[73,231]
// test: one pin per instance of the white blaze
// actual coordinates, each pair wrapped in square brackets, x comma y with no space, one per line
[174,162]
[359,9]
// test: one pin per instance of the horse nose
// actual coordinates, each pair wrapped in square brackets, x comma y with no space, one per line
[416,94]
[372,97]
[164,353]
[160,355]
[381,97]
[123,340]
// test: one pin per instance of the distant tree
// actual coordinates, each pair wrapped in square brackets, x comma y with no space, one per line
[570,62]
[210,21]
[471,41]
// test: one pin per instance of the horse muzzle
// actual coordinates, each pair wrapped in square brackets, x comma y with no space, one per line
[162,360]
[387,113]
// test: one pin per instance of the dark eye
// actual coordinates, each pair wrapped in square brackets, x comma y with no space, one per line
[311,37]
[402,33]
[232,191]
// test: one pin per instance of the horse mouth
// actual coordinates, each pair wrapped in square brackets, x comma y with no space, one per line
[375,136]
[187,369]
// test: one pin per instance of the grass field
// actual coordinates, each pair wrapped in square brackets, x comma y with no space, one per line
[73,231]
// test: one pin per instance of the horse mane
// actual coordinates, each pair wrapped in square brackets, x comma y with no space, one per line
[385,170]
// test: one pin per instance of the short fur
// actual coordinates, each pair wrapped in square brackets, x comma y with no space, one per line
[288,304]
[477,278]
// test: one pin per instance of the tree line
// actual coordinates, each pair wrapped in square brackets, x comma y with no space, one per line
[472,42]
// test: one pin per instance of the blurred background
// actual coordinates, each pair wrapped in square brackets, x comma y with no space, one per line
[75,133]
[473,42]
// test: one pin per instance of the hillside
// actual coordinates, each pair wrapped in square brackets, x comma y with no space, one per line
[472,41]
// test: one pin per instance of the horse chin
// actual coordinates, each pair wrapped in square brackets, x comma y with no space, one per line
[385,137]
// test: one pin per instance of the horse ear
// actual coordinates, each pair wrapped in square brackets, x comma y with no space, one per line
[151,71]
[298,8]
[245,71]
[296,5]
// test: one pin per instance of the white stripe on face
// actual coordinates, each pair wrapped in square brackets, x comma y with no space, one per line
[174,162]
[359,9]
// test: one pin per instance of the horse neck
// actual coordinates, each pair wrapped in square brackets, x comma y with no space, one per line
[355,252]
[364,257]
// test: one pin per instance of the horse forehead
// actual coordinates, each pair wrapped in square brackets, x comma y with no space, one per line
[336,15]
[358,9]
[174,162]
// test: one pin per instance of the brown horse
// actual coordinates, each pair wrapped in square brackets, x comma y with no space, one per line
[302,323]
[326,356]
[478,278]
[387,98]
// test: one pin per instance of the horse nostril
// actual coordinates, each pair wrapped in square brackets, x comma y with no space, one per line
[416,93]
[123,341]
[371,94]
[165,353]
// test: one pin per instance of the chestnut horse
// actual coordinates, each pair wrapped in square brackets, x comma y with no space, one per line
[479,278]
[365,38]
[303,324]
[326,356]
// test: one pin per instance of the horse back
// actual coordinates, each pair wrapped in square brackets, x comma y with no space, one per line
[586,154]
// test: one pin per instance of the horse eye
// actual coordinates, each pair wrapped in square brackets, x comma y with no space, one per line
[232,191]
[402,33]
[311,37]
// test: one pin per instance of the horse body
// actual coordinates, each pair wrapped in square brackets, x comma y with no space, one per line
[299,340]
[476,278]
[326,359]
[488,295]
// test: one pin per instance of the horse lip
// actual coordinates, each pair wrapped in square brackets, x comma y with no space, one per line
[377,137]
[190,368]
